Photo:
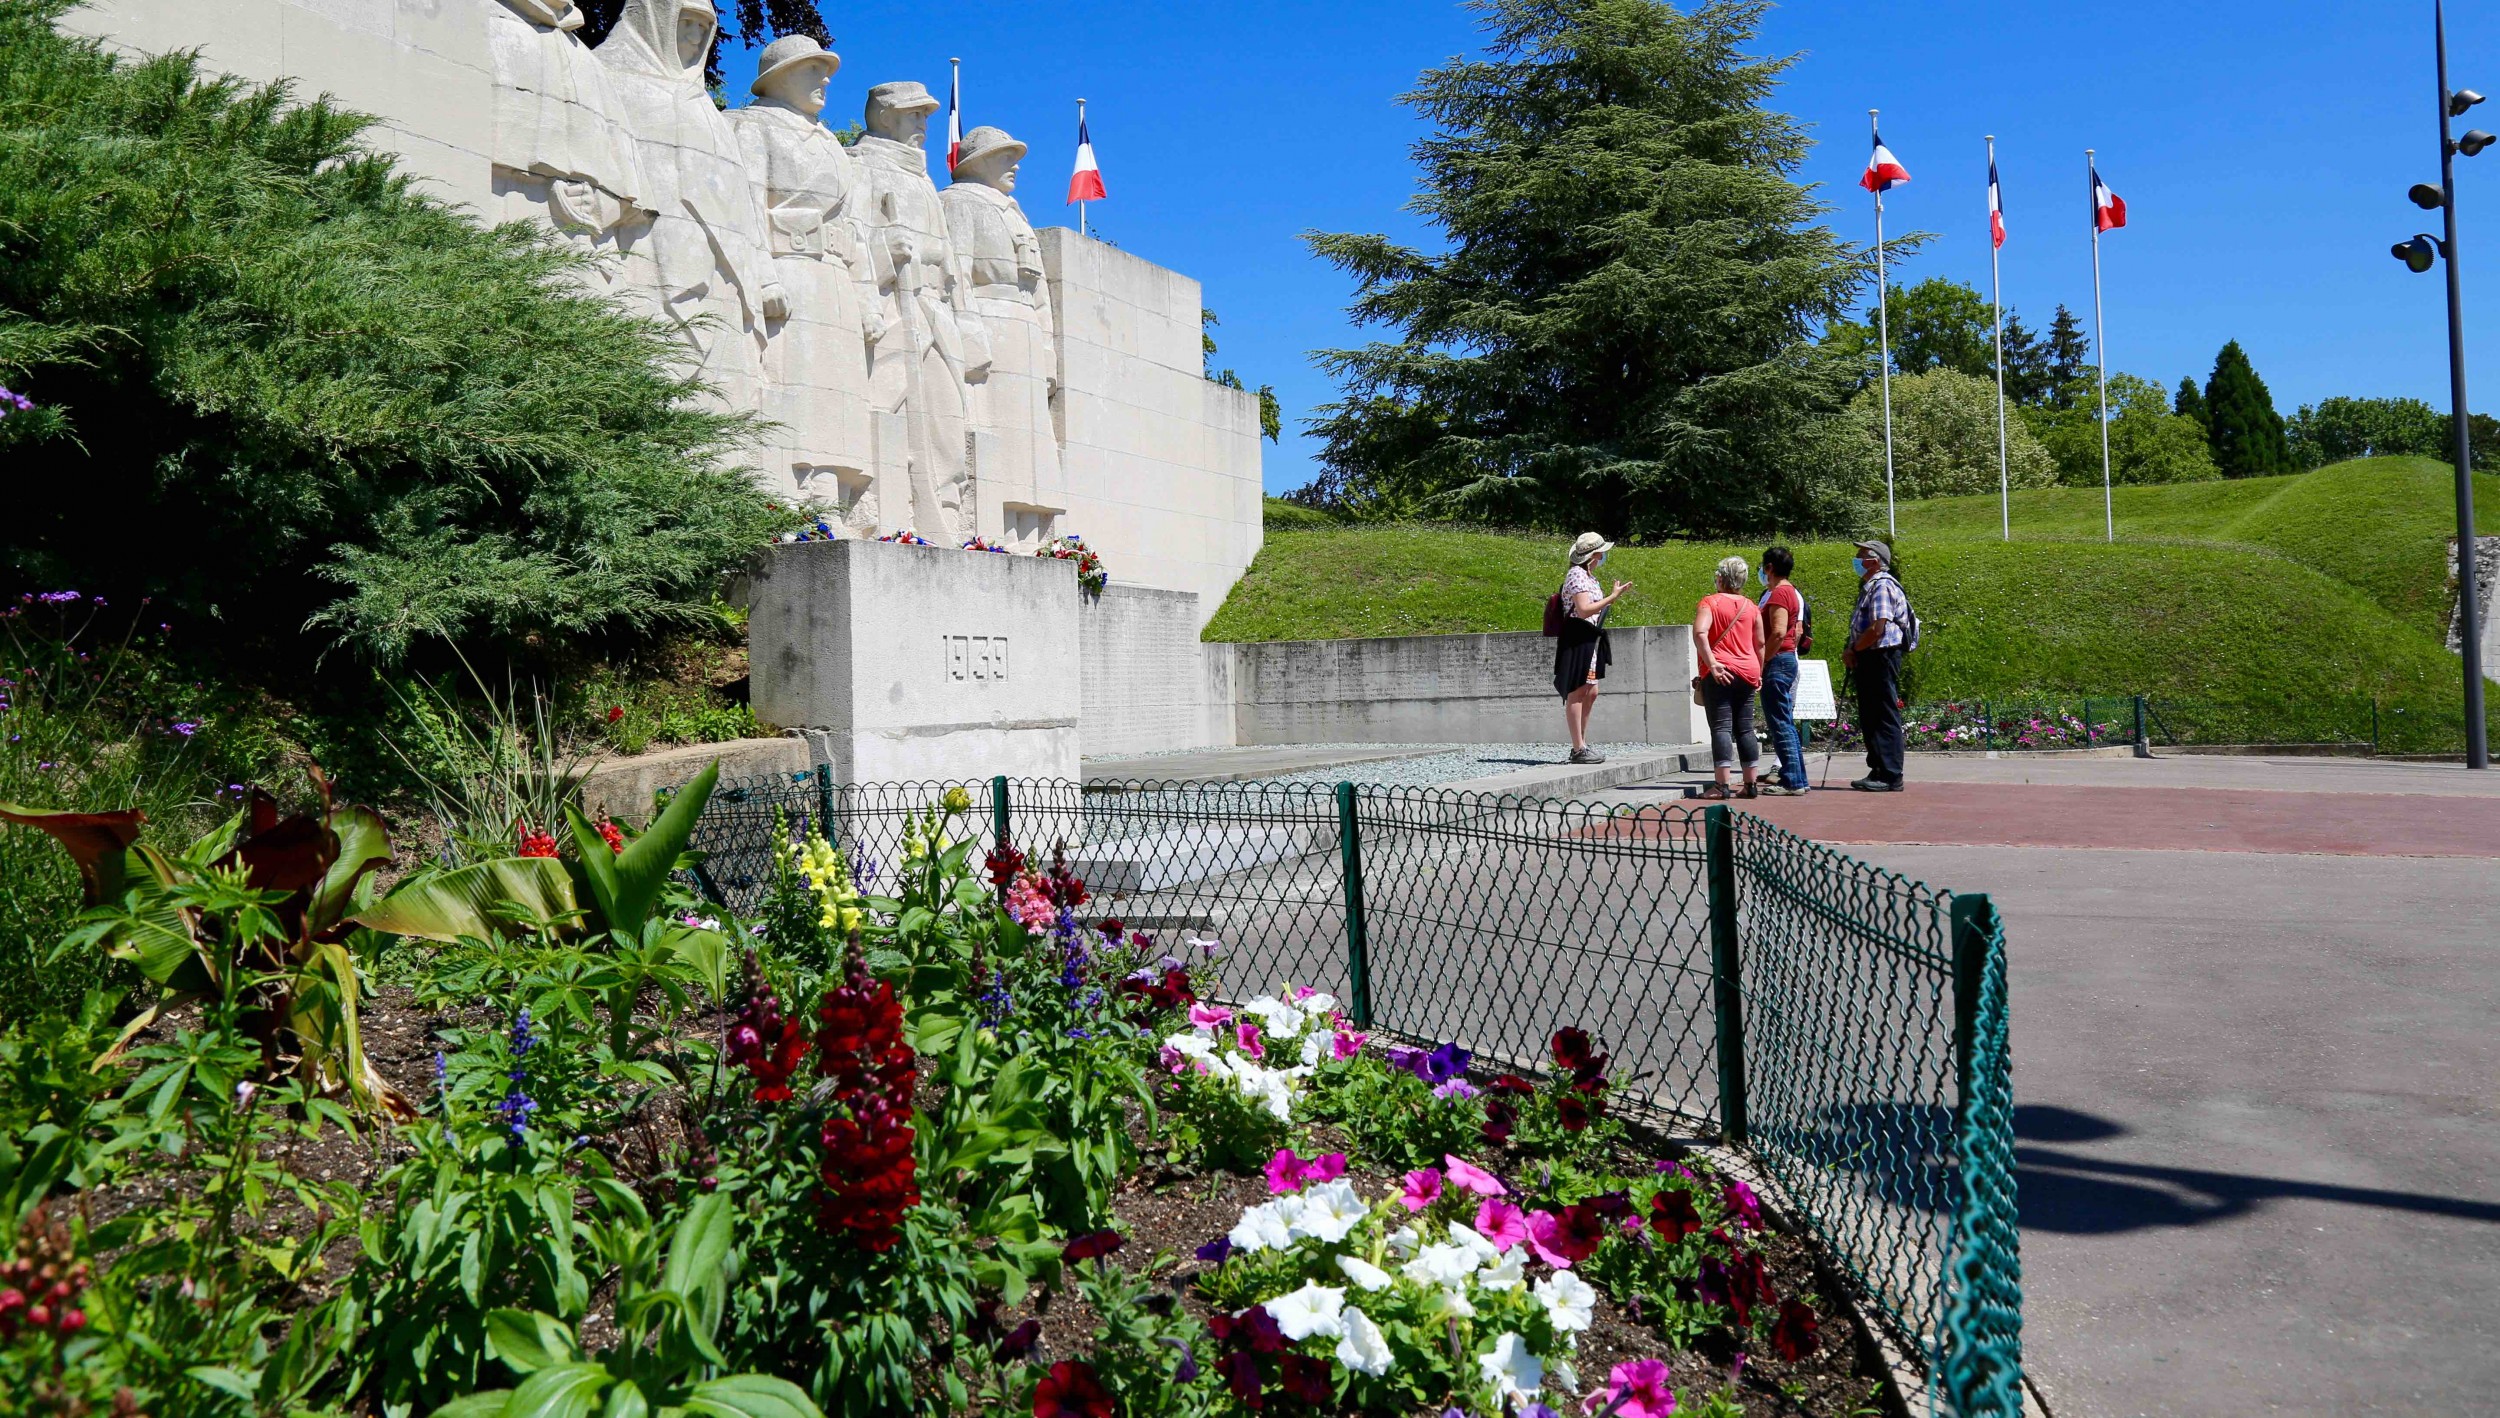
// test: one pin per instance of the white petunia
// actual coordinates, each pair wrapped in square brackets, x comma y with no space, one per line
[1330,1212]
[1364,1349]
[1281,1020]
[1317,1006]
[1262,1228]
[1503,1274]
[1568,1301]
[1313,1309]
[1364,1273]
[1317,1046]
[1405,1240]
[1191,1046]
[1455,1304]
[1511,1369]
[1467,1239]
[1437,1264]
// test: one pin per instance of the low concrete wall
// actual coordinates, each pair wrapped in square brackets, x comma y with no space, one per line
[622,787]
[1147,684]
[1456,689]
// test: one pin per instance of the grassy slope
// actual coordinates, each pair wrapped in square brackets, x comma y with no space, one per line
[2281,602]
[2380,525]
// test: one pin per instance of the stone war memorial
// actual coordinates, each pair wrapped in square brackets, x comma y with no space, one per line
[930,360]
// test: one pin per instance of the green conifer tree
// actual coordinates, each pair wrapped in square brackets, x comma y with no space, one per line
[2027,379]
[1613,331]
[2070,357]
[2190,403]
[2247,433]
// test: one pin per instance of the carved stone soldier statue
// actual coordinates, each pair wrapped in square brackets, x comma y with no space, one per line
[1005,261]
[561,151]
[930,343]
[816,365]
[706,260]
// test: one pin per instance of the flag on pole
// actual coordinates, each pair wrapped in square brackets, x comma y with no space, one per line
[1884,172]
[1996,206]
[1086,184]
[955,120]
[2109,210]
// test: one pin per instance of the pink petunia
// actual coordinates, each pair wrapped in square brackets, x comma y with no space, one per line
[1501,1223]
[1423,1188]
[1324,1169]
[1743,1205]
[1345,1046]
[1246,1034]
[1637,1389]
[1470,1177]
[1284,1172]
[1544,1230]
[1173,1060]
[1207,1016]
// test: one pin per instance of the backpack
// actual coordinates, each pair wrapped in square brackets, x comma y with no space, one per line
[1805,623]
[1909,625]
[1554,616]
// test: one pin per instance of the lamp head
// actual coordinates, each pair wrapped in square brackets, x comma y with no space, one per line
[2474,141]
[2419,254]
[2428,197]
[2462,100]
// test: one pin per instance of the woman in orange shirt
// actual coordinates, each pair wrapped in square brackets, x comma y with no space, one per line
[1727,648]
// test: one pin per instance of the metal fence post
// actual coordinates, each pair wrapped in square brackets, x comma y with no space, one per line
[1726,970]
[1001,825]
[824,801]
[1974,925]
[2143,734]
[1358,964]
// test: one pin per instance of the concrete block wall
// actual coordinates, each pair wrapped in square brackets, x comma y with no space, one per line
[1147,683]
[1456,689]
[420,66]
[1163,467]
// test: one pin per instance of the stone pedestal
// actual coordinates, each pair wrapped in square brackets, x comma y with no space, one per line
[918,664]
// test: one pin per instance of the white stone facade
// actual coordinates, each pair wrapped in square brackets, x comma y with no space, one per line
[1100,423]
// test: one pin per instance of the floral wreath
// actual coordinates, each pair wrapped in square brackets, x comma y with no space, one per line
[1091,575]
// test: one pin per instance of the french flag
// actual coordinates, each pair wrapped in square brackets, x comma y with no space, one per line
[955,122]
[1086,185]
[1996,207]
[1884,172]
[2109,210]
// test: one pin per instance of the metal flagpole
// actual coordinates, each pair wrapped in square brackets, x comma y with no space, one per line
[1080,207]
[1883,335]
[2100,342]
[2469,579]
[1996,298]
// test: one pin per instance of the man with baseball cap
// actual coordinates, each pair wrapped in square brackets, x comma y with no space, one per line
[1880,629]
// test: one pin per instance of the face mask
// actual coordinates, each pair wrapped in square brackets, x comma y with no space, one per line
[1858,565]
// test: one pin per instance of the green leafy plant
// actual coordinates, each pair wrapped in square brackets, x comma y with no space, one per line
[667,1311]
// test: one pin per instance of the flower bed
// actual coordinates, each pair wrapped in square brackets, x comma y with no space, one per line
[922,1136]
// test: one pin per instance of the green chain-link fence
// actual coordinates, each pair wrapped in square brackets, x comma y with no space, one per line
[1843,1025]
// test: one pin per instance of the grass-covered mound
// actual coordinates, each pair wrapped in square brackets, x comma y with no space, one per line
[2270,609]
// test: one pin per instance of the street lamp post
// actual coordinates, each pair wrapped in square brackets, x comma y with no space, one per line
[2418,254]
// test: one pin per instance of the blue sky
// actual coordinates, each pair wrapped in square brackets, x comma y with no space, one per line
[2263,149]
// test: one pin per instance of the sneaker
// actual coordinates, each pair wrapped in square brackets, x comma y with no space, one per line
[1779,790]
[1587,755]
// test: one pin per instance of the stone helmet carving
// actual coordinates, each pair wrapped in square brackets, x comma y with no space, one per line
[791,51]
[985,142]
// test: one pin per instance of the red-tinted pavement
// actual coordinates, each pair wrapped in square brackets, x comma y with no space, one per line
[2159,819]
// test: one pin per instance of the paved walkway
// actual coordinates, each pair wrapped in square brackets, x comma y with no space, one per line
[2258,1074]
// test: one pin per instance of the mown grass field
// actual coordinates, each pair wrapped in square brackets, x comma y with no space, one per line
[2275,609]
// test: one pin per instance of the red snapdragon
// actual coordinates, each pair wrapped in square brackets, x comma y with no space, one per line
[868,1171]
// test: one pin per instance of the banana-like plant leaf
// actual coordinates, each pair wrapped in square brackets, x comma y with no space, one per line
[627,885]
[476,901]
[364,845]
[322,1012]
[97,841]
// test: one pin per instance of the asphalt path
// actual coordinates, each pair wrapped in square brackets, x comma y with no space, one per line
[2259,1089]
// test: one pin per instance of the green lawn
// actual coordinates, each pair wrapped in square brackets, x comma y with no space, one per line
[2271,608]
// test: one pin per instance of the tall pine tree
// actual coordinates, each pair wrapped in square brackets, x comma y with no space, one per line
[2070,357]
[2190,403]
[2247,433]
[1616,333]
[2026,363]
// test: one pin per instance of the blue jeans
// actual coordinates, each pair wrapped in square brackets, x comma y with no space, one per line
[1779,706]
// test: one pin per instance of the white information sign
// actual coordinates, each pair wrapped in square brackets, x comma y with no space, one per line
[1814,691]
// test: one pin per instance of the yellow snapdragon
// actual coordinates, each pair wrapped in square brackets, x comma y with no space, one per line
[828,876]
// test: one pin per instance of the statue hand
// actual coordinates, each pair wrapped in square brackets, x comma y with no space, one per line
[776,303]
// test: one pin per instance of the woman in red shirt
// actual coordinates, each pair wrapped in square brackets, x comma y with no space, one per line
[1727,647]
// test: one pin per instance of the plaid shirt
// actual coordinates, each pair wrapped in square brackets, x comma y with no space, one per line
[1881,599]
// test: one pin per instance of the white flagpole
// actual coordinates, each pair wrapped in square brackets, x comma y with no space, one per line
[1080,207]
[1996,298]
[1883,335]
[2100,342]
[954,116]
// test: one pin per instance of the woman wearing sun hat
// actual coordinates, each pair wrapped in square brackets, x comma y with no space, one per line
[1581,653]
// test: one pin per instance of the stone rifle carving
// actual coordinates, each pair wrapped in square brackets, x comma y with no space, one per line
[931,343]
[561,149]
[1004,258]
[706,256]
[816,364]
